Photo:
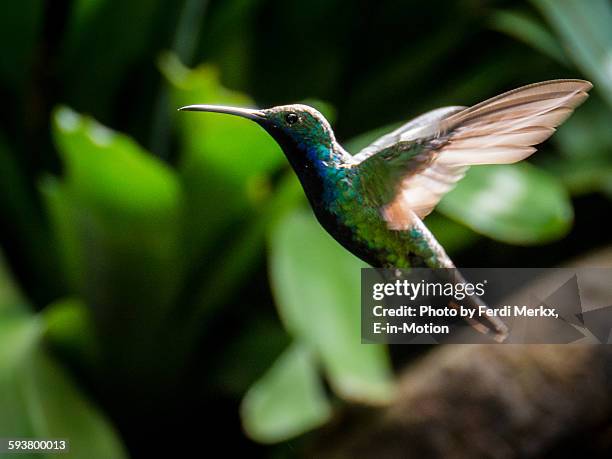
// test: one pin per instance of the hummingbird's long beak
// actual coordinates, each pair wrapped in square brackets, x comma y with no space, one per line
[255,115]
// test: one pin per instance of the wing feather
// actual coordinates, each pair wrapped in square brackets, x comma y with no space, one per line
[501,130]
[406,131]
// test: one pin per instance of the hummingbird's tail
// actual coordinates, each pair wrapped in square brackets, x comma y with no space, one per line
[434,256]
[487,323]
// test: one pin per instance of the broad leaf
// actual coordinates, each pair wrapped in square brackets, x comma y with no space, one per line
[117,214]
[453,236]
[288,400]
[225,160]
[530,31]
[585,30]
[37,398]
[586,144]
[518,204]
[71,333]
[316,283]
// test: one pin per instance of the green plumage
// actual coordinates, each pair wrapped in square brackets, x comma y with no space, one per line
[347,197]
[359,193]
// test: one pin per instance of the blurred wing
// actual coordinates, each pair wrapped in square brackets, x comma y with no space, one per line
[501,130]
[408,131]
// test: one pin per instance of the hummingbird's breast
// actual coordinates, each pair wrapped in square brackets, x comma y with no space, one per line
[355,222]
[337,198]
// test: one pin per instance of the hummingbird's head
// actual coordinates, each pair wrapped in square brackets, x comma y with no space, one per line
[294,127]
[300,124]
[303,134]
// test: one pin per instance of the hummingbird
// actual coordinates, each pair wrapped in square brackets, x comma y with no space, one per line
[374,202]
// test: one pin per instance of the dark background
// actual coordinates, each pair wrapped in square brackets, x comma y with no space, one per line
[138,282]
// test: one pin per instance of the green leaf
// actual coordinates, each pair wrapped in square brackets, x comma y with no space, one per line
[237,147]
[585,30]
[11,298]
[316,284]
[62,412]
[111,171]
[288,400]
[70,330]
[530,31]
[226,160]
[118,214]
[18,332]
[584,176]
[19,335]
[587,134]
[586,144]
[37,398]
[62,211]
[517,204]
[453,236]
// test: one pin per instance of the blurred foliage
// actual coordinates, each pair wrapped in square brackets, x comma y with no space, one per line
[518,203]
[151,246]
[37,397]
[288,400]
[322,287]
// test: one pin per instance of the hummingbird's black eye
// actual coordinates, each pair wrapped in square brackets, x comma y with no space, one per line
[291,118]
